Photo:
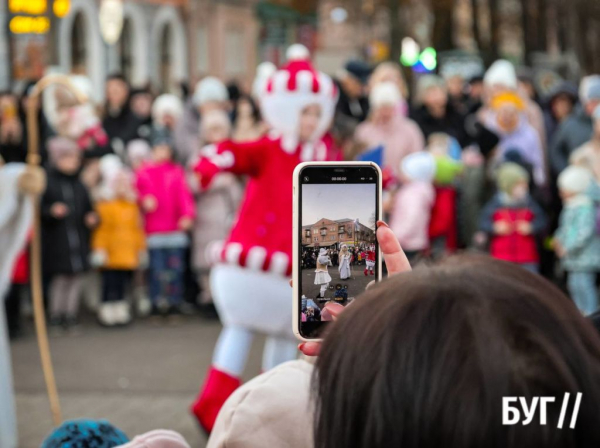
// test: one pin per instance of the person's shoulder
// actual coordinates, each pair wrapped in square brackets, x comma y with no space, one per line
[272,407]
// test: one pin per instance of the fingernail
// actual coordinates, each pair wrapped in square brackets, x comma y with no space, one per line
[382,224]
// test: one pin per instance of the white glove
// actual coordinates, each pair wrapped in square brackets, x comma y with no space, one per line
[98,258]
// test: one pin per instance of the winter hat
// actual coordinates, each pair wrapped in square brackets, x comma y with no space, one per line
[160,438]
[563,88]
[384,94]
[61,146]
[419,166]
[575,179]
[446,170]
[85,434]
[589,88]
[264,71]
[288,91]
[161,136]
[501,73]
[509,174]
[507,98]
[166,104]
[209,89]
[359,70]
[84,85]
[138,150]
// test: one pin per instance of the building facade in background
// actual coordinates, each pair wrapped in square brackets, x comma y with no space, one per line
[327,232]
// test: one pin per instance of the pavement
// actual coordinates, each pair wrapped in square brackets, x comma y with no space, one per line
[139,378]
[356,284]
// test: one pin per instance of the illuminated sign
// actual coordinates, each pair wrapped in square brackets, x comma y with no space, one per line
[33,7]
[61,8]
[111,20]
[29,25]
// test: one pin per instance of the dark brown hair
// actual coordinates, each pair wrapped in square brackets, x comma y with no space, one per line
[424,359]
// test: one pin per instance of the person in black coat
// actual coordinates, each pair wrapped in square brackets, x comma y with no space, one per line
[67,219]
[120,123]
[353,105]
[435,114]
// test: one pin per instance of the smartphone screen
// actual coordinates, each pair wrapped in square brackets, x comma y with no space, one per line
[338,251]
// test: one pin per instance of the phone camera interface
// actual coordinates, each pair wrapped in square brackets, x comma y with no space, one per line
[338,246]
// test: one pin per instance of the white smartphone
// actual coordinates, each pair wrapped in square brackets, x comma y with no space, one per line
[336,255]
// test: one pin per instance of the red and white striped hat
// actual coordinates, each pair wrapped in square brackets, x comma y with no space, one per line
[291,89]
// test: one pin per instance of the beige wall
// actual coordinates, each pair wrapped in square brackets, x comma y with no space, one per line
[223,41]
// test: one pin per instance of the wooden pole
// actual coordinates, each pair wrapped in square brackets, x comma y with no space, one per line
[33,159]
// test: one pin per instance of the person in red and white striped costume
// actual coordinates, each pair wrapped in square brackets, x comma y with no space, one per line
[250,281]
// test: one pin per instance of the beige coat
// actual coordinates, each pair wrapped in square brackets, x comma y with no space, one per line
[272,410]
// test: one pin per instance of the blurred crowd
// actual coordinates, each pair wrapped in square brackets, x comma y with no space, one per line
[491,163]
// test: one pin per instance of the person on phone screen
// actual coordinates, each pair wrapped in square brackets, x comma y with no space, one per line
[345,258]
[254,265]
[370,261]
[322,276]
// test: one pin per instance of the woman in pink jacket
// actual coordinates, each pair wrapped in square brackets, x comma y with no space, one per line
[168,208]
[411,211]
[387,127]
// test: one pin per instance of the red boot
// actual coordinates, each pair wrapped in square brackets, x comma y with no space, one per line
[372,272]
[366,272]
[216,390]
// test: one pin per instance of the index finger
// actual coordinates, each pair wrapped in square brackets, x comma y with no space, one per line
[393,255]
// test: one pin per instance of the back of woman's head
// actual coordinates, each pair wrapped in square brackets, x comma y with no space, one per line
[424,359]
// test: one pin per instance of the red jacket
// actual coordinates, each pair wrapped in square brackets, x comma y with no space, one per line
[20,274]
[513,247]
[261,237]
[443,217]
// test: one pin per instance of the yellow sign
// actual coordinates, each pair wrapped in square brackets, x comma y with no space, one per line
[33,7]
[61,8]
[29,25]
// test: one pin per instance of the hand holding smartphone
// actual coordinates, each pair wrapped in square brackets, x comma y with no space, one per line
[336,254]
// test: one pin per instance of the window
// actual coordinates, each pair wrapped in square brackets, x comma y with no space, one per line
[332,229]
[316,239]
[315,231]
[342,229]
[78,46]
[235,52]
[165,58]
[323,232]
[307,233]
[202,51]
[125,50]
[332,238]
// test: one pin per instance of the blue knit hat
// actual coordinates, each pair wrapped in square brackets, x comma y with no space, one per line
[85,434]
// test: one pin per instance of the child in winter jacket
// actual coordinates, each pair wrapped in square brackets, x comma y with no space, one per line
[513,219]
[168,208]
[118,243]
[576,242]
[412,203]
[443,231]
[67,219]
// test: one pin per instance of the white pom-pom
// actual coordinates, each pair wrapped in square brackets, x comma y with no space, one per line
[297,52]
[265,69]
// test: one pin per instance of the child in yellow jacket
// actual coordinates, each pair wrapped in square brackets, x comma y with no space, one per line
[118,244]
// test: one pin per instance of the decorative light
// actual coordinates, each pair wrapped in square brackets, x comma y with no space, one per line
[33,7]
[61,8]
[410,52]
[338,15]
[429,58]
[29,25]
[111,20]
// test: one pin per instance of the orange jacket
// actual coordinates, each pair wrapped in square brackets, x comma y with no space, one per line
[120,234]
